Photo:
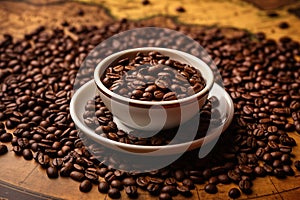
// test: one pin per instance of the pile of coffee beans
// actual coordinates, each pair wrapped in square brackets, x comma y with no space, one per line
[153,76]
[37,75]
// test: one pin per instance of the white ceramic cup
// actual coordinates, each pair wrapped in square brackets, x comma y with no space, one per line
[154,115]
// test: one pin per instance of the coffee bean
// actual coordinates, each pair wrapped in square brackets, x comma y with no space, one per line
[52,172]
[211,188]
[223,178]
[85,186]
[234,193]
[165,196]
[142,181]
[103,187]
[179,175]
[189,183]
[3,149]
[245,186]
[184,190]
[27,154]
[77,176]
[6,137]
[114,193]
[131,191]
[259,171]
[170,189]
[116,184]
[297,164]
[129,181]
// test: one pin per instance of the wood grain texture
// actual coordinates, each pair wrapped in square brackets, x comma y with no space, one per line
[18,18]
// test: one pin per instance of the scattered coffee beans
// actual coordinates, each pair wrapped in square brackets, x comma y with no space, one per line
[38,73]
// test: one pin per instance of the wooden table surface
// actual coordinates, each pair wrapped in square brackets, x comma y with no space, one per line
[17,18]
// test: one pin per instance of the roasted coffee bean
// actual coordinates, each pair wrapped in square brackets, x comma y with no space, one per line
[18,150]
[52,172]
[131,191]
[142,181]
[3,149]
[170,189]
[234,193]
[211,188]
[57,162]
[103,187]
[6,137]
[179,175]
[189,183]
[153,188]
[223,178]
[245,186]
[85,186]
[116,184]
[77,176]
[27,154]
[297,164]
[109,176]
[164,196]
[213,180]
[170,181]
[259,171]
[288,170]
[184,190]
[114,193]
[233,175]
[128,181]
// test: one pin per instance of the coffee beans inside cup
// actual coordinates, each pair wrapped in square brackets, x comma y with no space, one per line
[153,76]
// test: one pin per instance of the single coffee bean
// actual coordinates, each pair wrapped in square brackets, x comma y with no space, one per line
[234,193]
[116,184]
[211,188]
[164,196]
[128,181]
[179,175]
[297,164]
[114,193]
[245,186]
[18,150]
[52,172]
[27,154]
[77,176]
[189,183]
[85,186]
[131,191]
[142,181]
[103,187]
[3,149]
[223,178]
[259,171]
[6,137]
[170,189]
[184,190]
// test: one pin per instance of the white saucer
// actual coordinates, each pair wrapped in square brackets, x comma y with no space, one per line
[88,91]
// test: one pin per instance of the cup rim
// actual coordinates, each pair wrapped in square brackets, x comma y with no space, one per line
[209,78]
